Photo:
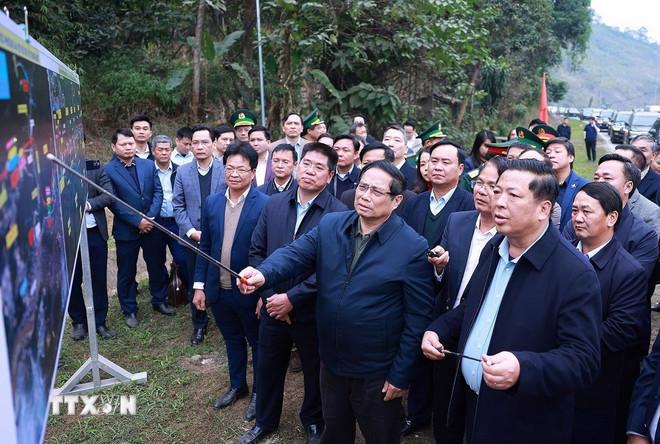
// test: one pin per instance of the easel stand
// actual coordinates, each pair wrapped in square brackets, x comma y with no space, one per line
[95,362]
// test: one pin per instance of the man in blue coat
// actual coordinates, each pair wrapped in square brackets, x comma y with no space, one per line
[228,221]
[136,182]
[649,186]
[644,413]
[370,317]
[427,214]
[562,154]
[529,340]
[596,209]
[288,314]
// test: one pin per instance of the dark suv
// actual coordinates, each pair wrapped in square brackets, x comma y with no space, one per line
[619,126]
[641,123]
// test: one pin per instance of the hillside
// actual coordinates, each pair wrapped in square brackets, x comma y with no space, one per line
[620,70]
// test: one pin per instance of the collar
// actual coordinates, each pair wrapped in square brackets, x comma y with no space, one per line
[389,228]
[492,231]
[595,251]
[240,199]
[283,187]
[297,142]
[606,252]
[178,154]
[125,164]
[348,173]
[536,256]
[204,169]
[645,172]
[265,160]
[399,163]
[321,199]
[309,202]
[446,197]
[168,170]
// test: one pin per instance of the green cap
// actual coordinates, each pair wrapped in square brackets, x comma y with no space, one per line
[501,148]
[243,117]
[526,136]
[545,132]
[434,131]
[311,120]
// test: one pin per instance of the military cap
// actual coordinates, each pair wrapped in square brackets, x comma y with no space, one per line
[434,131]
[243,117]
[312,119]
[526,136]
[545,132]
[501,148]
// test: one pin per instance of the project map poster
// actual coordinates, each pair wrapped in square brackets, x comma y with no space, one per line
[40,221]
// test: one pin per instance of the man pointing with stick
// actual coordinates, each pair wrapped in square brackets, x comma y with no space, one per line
[373,303]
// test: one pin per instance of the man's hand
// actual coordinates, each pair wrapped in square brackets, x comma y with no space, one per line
[278,305]
[254,280]
[196,235]
[431,346]
[501,371]
[392,392]
[199,300]
[145,226]
[88,207]
[441,259]
[257,310]
[636,439]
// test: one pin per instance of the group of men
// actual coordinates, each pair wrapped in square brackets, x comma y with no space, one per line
[518,287]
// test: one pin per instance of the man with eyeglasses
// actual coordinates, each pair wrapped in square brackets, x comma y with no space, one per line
[427,214]
[194,182]
[370,317]
[455,261]
[228,220]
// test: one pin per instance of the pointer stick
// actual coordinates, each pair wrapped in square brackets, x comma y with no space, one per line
[459,355]
[185,242]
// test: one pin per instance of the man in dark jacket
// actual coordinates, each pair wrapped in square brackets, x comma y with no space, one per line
[369,316]
[564,129]
[283,220]
[532,339]
[97,241]
[644,414]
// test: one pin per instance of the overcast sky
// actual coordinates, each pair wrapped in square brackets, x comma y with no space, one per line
[630,14]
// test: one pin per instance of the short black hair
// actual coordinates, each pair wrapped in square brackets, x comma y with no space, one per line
[563,141]
[606,195]
[544,186]
[243,149]
[140,118]
[398,182]
[499,162]
[537,122]
[356,143]
[260,128]
[328,135]
[184,133]
[286,147]
[410,122]
[121,132]
[353,129]
[289,115]
[201,127]
[631,172]
[460,152]
[638,157]
[221,129]
[389,153]
[323,149]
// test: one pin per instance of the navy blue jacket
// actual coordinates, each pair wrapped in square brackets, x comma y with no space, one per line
[550,318]
[646,395]
[418,207]
[456,239]
[649,186]
[269,187]
[275,230]
[370,321]
[564,131]
[410,173]
[352,178]
[148,198]
[213,229]
[625,316]
[573,184]
[637,237]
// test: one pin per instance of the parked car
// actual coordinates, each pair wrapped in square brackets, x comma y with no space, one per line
[573,112]
[641,123]
[587,112]
[605,119]
[619,126]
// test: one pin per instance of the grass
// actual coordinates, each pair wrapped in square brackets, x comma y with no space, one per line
[581,165]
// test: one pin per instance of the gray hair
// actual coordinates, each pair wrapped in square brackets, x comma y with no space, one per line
[161,138]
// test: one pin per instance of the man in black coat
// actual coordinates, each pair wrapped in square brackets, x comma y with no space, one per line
[642,425]
[529,339]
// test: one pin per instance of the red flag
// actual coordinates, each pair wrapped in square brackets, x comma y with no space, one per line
[543,104]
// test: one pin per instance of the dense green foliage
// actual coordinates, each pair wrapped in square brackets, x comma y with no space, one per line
[473,63]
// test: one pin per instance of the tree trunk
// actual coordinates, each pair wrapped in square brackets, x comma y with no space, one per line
[468,96]
[197,61]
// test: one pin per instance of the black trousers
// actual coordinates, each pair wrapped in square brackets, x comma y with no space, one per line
[420,395]
[98,264]
[275,341]
[347,399]
[443,379]
[199,317]
[591,150]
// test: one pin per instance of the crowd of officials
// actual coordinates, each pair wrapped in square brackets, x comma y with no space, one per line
[503,296]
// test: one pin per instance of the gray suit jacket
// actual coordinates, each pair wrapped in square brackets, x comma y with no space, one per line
[97,200]
[646,210]
[187,199]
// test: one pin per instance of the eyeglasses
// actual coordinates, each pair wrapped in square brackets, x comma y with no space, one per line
[375,191]
[241,171]
[478,183]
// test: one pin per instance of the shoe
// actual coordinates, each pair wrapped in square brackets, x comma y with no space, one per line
[230,397]
[105,332]
[197,336]
[251,409]
[314,433]
[295,365]
[254,435]
[655,307]
[131,320]
[79,332]
[410,426]
[164,309]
